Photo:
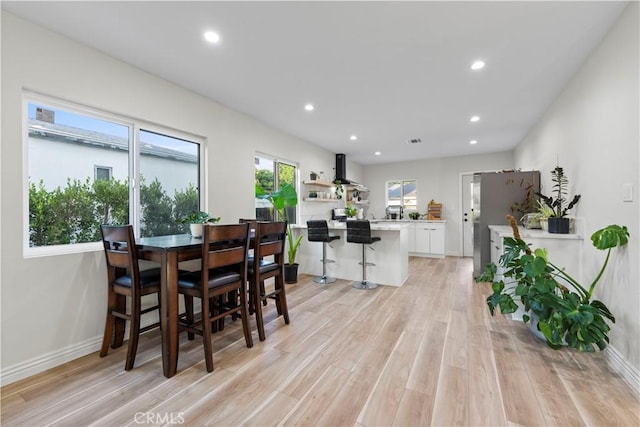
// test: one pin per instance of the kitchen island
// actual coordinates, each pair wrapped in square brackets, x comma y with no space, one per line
[390,254]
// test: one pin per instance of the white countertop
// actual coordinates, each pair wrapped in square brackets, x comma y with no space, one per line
[385,226]
[441,221]
[526,233]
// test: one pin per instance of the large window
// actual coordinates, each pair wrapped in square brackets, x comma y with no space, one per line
[402,193]
[87,168]
[271,174]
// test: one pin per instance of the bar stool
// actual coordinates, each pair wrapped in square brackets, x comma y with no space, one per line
[318,231]
[360,232]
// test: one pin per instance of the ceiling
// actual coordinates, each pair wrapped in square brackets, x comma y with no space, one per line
[384,71]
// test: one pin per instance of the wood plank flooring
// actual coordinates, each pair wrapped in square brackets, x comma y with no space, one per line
[427,353]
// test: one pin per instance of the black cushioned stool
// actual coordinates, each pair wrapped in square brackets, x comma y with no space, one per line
[318,231]
[360,232]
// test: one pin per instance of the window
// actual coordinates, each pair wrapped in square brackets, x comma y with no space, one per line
[87,168]
[402,193]
[271,174]
[102,173]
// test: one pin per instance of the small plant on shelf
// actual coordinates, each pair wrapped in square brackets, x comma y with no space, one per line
[350,211]
[414,215]
[558,223]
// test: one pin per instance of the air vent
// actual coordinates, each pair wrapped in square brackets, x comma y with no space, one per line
[414,141]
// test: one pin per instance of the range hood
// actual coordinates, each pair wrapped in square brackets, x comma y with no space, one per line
[341,169]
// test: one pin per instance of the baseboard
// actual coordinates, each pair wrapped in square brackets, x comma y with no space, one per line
[629,373]
[49,360]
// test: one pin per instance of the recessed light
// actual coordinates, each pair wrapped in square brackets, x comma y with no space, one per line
[211,37]
[309,107]
[377,153]
[353,137]
[473,142]
[474,119]
[477,65]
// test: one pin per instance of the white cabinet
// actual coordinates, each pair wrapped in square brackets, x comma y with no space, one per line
[428,239]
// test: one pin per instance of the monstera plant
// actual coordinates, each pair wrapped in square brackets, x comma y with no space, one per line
[566,312]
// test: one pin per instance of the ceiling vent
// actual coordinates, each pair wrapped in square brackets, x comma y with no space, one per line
[414,141]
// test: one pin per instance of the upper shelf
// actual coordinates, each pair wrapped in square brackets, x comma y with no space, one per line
[319,183]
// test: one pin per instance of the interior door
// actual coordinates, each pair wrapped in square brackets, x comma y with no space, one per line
[467,215]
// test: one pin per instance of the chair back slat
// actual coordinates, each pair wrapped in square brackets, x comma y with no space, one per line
[120,248]
[270,238]
[225,245]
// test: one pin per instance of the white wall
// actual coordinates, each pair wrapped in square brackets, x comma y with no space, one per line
[592,130]
[53,307]
[437,179]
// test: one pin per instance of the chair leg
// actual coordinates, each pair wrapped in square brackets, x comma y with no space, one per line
[282,298]
[324,279]
[258,311]
[109,324]
[364,284]
[188,305]
[206,335]
[120,324]
[134,334]
[244,314]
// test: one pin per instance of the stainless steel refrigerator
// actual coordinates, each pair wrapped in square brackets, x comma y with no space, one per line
[494,196]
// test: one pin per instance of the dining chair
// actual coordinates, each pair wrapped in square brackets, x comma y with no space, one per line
[125,280]
[268,242]
[223,271]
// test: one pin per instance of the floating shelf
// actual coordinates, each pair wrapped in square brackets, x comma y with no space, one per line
[319,183]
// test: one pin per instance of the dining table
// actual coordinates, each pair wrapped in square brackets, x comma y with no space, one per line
[169,251]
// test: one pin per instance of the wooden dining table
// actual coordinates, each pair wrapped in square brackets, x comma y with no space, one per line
[169,251]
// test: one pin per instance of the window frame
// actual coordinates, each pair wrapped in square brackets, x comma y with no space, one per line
[133,167]
[276,179]
[402,196]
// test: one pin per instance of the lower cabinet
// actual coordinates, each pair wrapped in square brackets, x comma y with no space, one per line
[427,239]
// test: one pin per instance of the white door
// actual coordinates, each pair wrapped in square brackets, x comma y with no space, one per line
[467,215]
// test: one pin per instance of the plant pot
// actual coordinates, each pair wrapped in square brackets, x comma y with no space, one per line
[196,230]
[533,326]
[558,225]
[544,224]
[291,273]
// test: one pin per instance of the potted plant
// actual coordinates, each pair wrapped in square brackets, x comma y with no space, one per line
[414,215]
[339,190]
[196,219]
[558,222]
[350,211]
[282,199]
[563,313]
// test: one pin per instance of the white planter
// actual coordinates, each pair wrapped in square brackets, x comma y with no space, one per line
[196,230]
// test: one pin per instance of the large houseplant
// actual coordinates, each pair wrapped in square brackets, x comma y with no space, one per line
[196,220]
[282,199]
[558,222]
[566,312]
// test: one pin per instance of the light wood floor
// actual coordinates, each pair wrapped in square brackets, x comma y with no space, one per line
[424,354]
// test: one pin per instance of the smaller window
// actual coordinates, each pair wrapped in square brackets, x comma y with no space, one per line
[402,193]
[102,173]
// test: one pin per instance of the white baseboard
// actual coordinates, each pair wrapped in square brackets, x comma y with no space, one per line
[49,360]
[629,373]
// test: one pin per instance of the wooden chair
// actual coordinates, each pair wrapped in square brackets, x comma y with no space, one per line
[269,241]
[223,272]
[126,281]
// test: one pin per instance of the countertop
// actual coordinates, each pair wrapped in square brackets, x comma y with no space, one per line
[441,221]
[526,233]
[383,226]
